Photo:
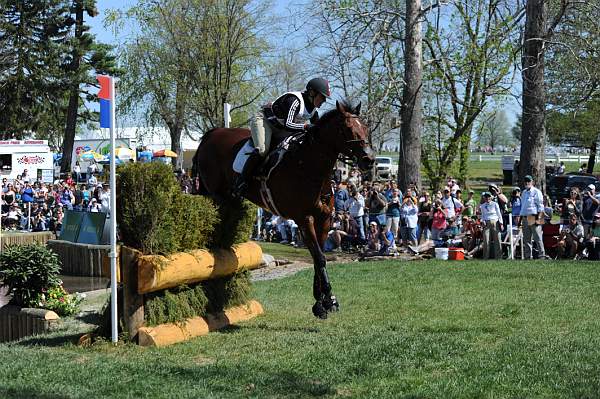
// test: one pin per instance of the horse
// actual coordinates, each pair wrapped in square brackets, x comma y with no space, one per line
[300,185]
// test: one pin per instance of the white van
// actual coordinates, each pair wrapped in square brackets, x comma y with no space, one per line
[35,156]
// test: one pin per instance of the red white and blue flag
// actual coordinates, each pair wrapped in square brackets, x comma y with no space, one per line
[107,99]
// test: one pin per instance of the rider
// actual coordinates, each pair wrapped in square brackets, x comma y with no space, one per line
[292,112]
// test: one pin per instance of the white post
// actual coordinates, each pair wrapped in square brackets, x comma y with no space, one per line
[113,219]
[226,115]
[29,216]
[510,236]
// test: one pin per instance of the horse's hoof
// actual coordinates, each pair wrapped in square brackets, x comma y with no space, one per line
[331,304]
[319,311]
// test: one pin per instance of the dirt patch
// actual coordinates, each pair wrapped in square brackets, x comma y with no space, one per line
[283,268]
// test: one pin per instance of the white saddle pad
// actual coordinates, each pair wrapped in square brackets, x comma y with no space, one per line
[242,156]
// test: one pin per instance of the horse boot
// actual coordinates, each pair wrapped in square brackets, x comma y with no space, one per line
[241,182]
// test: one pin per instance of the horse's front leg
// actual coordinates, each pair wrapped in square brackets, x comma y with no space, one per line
[322,225]
[313,230]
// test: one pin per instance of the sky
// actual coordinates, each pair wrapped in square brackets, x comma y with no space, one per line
[106,35]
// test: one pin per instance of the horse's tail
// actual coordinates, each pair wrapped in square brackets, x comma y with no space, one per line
[195,170]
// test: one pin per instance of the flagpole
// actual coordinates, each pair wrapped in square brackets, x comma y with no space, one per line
[113,218]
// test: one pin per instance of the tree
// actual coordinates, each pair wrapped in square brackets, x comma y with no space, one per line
[464,75]
[533,135]
[188,59]
[492,130]
[33,44]
[359,55]
[578,128]
[88,58]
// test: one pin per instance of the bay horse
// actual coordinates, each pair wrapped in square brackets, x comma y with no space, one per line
[300,185]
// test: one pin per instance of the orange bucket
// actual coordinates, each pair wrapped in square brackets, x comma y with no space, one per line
[456,253]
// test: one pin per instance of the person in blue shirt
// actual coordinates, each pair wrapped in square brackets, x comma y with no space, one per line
[340,198]
[386,242]
[532,214]
[515,206]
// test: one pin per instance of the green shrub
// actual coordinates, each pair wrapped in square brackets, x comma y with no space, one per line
[210,296]
[227,292]
[176,305]
[156,217]
[195,220]
[28,271]
[145,193]
[237,222]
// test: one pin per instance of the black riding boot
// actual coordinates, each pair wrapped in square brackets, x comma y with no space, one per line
[241,182]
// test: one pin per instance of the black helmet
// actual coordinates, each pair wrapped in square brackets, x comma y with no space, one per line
[319,85]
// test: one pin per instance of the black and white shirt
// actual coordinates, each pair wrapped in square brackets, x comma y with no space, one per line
[293,110]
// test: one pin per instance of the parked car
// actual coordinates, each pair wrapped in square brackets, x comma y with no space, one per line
[559,186]
[385,168]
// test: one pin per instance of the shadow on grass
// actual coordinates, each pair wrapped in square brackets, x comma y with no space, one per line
[52,340]
[24,393]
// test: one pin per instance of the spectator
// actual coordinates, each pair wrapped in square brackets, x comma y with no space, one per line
[58,218]
[356,208]
[592,242]
[499,198]
[354,177]
[92,180]
[77,171]
[410,216]
[25,177]
[340,197]
[561,168]
[94,206]
[424,217]
[78,198]
[373,244]
[392,185]
[532,212]
[571,238]
[583,168]
[66,197]
[13,217]
[571,206]
[470,205]
[376,204]
[515,206]
[27,194]
[104,198]
[548,210]
[10,198]
[451,204]
[438,223]
[91,171]
[491,216]
[589,207]
[393,213]
[69,181]
[387,242]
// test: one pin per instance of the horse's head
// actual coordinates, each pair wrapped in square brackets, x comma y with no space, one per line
[354,140]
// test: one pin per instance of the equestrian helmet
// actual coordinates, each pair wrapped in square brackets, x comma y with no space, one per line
[319,85]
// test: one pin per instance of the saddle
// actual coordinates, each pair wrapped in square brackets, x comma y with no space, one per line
[282,146]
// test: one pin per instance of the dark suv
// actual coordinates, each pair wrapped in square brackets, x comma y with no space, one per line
[559,186]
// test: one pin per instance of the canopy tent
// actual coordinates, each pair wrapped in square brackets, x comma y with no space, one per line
[164,153]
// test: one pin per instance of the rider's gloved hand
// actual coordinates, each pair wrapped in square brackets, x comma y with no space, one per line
[310,128]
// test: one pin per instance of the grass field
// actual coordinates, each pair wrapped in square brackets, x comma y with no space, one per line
[406,330]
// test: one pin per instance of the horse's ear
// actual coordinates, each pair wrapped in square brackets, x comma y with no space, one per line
[357,110]
[340,107]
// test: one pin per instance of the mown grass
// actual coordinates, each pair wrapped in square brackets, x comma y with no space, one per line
[406,330]
[287,252]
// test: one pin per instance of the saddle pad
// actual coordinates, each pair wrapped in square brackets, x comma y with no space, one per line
[242,156]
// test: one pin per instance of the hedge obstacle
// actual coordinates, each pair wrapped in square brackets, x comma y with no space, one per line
[183,273]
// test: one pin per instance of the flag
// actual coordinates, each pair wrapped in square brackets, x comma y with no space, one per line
[106,97]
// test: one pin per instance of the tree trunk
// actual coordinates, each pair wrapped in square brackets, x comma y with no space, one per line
[175,132]
[465,154]
[72,111]
[411,113]
[533,133]
[592,159]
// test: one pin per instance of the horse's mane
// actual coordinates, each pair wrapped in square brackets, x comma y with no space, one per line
[332,113]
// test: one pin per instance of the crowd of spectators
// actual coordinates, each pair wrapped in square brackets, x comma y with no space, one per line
[378,218]
[29,204]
